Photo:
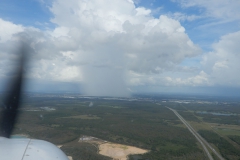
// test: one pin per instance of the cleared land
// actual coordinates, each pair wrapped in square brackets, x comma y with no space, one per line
[70,158]
[113,150]
[118,151]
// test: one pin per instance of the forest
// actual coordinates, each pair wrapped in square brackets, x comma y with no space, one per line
[142,123]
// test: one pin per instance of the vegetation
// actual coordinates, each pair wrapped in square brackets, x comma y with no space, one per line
[87,151]
[227,150]
[236,139]
[137,123]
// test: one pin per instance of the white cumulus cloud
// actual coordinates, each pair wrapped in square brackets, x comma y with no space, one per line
[107,45]
[223,62]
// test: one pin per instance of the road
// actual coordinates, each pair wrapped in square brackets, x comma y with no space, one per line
[201,140]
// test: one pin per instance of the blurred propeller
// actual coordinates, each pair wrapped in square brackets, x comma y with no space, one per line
[11,102]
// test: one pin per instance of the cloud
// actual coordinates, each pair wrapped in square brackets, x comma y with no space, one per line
[221,9]
[168,79]
[183,17]
[47,60]
[104,44]
[115,38]
[8,29]
[223,62]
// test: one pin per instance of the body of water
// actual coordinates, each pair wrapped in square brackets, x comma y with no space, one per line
[216,113]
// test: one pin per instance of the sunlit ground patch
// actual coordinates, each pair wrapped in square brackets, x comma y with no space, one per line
[119,151]
[113,150]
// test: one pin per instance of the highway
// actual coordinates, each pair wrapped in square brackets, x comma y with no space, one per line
[201,140]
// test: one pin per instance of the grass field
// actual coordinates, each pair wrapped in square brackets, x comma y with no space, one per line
[226,129]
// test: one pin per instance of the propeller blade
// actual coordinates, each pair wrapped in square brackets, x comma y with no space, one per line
[12,101]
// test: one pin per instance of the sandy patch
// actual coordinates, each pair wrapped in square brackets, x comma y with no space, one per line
[118,151]
[70,158]
[59,146]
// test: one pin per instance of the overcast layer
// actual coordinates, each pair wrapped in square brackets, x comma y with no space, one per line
[115,48]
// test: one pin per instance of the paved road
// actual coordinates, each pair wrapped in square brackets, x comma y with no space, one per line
[202,141]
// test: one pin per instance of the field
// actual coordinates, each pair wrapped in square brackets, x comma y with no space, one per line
[143,123]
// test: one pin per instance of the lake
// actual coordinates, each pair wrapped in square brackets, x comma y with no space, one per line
[216,113]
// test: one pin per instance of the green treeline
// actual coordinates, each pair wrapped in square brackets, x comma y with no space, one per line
[235,139]
[227,150]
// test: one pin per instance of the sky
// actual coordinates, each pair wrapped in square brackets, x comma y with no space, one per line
[121,47]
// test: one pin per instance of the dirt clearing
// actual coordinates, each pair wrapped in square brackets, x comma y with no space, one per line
[113,150]
[118,151]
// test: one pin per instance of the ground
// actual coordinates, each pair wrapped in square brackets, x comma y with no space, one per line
[139,122]
[113,150]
